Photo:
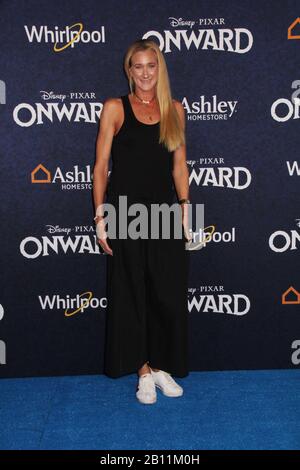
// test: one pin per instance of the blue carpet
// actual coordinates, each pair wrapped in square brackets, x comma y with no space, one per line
[219,410]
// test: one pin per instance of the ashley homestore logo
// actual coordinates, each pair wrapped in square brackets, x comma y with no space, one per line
[72,179]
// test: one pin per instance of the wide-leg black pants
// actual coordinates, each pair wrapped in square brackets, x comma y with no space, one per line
[147,312]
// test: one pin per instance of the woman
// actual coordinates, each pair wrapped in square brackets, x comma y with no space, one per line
[146,278]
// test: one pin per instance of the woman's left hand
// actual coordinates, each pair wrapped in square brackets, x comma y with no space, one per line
[185,222]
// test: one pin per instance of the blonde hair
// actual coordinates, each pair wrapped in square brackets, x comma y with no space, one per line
[171,129]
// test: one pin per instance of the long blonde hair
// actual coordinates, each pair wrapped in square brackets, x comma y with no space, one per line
[171,130]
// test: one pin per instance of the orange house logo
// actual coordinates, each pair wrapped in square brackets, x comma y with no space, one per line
[291,34]
[291,296]
[40,175]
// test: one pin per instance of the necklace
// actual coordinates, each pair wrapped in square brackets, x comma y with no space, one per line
[145,102]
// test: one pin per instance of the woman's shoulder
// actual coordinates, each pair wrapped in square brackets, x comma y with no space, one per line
[177,103]
[111,102]
[112,106]
[111,111]
[179,107]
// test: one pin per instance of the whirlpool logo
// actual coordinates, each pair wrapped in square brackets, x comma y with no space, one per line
[62,38]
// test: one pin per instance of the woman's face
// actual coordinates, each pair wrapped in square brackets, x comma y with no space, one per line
[144,70]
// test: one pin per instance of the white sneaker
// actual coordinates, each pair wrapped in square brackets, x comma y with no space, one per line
[146,392]
[166,384]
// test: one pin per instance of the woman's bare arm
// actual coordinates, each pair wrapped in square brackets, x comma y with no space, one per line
[181,174]
[105,135]
[103,149]
[180,169]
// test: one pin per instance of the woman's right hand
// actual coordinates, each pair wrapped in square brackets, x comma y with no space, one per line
[102,237]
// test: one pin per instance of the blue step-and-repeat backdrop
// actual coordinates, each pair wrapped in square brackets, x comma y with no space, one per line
[235,66]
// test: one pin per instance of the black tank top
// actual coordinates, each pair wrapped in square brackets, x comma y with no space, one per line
[141,166]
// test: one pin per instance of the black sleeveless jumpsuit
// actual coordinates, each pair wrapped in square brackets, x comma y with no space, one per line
[147,279]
